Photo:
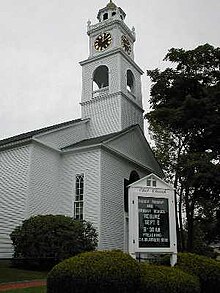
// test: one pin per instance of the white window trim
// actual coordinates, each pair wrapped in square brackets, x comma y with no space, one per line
[80,201]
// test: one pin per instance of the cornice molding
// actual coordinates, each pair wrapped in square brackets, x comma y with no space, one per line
[108,24]
[105,54]
[109,95]
[18,143]
[110,150]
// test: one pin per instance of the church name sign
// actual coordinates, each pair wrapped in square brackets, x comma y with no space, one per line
[152,222]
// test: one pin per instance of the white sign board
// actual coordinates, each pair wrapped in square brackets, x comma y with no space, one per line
[152,221]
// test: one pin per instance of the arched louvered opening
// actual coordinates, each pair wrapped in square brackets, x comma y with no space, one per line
[130,81]
[134,176]
[105,16]
[100,80]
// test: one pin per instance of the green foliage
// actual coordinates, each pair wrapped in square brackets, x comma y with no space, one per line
[115,271]
[184,123]
[95,272]
[206,269]
[202,237]
[43,241]
[160,279]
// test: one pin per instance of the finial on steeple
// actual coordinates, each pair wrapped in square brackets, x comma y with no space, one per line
[111,5]
[89,23]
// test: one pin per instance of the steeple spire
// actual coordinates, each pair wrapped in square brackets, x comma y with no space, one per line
[109,11]
[111,5]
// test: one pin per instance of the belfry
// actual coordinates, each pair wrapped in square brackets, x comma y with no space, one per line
[111,91]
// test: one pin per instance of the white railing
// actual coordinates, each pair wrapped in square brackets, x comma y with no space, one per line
[100,92]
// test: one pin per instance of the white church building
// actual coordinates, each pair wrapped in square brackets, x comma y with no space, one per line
[81,168]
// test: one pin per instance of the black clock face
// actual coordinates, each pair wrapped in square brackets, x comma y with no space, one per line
[103,41]
[126,44]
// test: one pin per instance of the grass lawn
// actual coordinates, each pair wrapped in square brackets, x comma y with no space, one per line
[29,290]
[8,274]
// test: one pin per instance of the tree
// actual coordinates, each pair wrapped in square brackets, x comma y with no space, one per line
[45,240]
[184,123]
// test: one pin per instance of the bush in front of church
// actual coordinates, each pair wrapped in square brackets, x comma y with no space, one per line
[206,269]
[44,240]
[162,279]
[95,272]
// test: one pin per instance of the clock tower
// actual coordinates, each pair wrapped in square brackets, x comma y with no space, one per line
[111,80]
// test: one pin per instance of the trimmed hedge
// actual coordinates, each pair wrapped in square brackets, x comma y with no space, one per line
[206,269]
[95,272]
[161,279]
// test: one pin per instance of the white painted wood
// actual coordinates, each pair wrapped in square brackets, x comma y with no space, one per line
[14,172]
[88,163]
[162,190]
[113,218]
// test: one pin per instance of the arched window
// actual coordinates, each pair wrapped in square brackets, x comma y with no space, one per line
[79,193]
[113,13]
[130,81]
[133,177]
[100,77]
[105,16]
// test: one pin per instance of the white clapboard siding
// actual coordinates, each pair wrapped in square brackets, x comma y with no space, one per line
[44,185]
[14,174]
[87,163]
[113,172]
[130,114]
[104,113]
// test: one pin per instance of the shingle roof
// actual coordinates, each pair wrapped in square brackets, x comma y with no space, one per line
[97,140]
[30,134]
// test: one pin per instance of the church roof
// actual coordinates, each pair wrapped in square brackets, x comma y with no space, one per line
[129,143]
[30,134]
[97,140]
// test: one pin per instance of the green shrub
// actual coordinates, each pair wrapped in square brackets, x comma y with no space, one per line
[161,279]
[161,260]
[95,272]
[43,241]
[206,269]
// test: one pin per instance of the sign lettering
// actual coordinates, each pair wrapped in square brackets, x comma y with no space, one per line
[153,222]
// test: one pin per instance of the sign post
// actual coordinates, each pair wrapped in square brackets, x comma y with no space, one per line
[152,221]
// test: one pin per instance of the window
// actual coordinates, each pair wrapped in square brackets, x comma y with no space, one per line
[105,16]
[151,182]
[100,77]
[130,81]
[133,177]
[79,192]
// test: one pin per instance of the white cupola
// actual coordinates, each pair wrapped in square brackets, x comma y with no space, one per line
[110,11]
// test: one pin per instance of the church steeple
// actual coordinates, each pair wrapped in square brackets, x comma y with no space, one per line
[111,5]
[109,11]
[111,85]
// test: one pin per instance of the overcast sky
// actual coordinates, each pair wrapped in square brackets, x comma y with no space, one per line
[42,42]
